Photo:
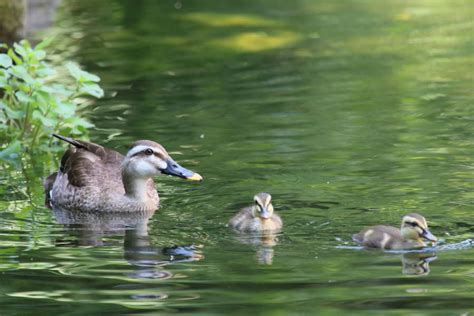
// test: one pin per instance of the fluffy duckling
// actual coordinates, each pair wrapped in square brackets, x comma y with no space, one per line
[258,217]
[414,229]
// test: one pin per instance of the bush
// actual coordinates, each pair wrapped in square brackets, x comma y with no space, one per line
[38,99]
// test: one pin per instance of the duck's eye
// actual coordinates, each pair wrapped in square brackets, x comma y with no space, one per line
[149,151]
[414,224]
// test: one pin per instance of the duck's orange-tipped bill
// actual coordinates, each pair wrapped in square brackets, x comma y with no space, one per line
[194,177]
[174,169]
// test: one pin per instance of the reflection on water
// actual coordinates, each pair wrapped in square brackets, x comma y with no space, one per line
[417,263]
[149,261]
[414,262]
[90,229]
[263,243]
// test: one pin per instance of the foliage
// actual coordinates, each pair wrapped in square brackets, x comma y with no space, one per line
[38,98]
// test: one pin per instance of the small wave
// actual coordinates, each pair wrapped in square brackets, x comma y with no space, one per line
[462,245]
[465,244]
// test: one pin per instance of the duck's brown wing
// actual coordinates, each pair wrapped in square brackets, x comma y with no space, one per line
[89,164]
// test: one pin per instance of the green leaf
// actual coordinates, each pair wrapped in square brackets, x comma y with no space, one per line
[23,87]
[11,151]
[74,70]
[3,82]
[3,45]
[39,54]
[84,123]
[11,114]
[44,97]
[4,76]
[93,90]
[20,50]
[20,72]
[81,75]
[66,109]
[5,61]
[61,89]
[23,97]
[44,43]
[46,72]
[46,121]
[47,89]
[77,122]
[15,58]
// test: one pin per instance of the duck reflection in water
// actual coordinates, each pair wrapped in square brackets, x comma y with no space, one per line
[258,225]
[90,229]
[417,263]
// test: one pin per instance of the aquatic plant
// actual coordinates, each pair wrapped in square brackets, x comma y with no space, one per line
[37,98]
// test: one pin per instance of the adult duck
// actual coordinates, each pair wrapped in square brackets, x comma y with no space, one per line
[93,178]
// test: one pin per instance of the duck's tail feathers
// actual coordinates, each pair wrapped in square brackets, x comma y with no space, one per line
[69,140]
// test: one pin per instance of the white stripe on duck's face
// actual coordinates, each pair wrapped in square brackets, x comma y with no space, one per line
[147,150]
[145,161]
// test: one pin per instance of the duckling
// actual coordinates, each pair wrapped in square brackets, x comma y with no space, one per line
[413,230]
[257,218]
[93,178]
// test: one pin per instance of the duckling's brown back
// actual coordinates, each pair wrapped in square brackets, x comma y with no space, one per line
[242,219]
[380,236]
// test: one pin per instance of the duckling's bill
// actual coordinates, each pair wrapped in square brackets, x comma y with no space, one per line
[265,214]
[429,236]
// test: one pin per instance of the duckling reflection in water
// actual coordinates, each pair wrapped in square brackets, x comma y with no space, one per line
[417,263]
[413,231]
[258,217]
[263,243]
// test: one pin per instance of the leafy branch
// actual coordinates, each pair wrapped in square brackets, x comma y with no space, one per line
[37,98]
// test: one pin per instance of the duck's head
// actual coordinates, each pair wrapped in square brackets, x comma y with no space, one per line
[414,227]
[147,159]
[263,207]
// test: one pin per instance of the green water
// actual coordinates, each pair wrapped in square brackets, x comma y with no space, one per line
[350,113]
